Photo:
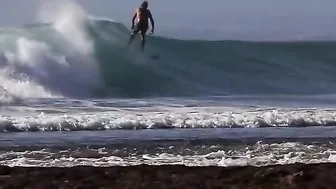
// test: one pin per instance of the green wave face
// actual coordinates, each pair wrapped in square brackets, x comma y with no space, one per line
[171,67]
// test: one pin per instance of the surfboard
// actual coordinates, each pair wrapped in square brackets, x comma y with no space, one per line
[155,57]
[145,54]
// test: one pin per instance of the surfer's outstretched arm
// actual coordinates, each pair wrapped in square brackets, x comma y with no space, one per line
[151,20]
[133,33]
[133,19]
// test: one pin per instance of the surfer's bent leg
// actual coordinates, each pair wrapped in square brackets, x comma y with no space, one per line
[143,38]
[135,31]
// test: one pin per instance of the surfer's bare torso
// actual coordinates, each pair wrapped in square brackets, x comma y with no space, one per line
[141,17]
[140,23]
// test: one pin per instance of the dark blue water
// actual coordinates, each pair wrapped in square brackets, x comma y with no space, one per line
[110,138]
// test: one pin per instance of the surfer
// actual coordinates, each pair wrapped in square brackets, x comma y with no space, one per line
[142,14]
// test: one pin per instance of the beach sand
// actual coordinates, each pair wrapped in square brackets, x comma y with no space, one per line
[307,176]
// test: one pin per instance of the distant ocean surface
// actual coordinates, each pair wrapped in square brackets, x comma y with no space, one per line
[71,94]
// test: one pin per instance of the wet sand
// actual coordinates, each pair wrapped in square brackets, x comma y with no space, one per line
[313,176]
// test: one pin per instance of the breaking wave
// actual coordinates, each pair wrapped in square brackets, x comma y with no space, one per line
[74,55]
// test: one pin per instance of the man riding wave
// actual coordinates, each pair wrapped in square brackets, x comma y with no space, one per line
[142,14]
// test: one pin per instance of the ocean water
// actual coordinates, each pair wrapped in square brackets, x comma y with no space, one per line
[73,94]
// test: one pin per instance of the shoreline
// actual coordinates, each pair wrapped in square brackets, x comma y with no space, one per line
[291,176]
